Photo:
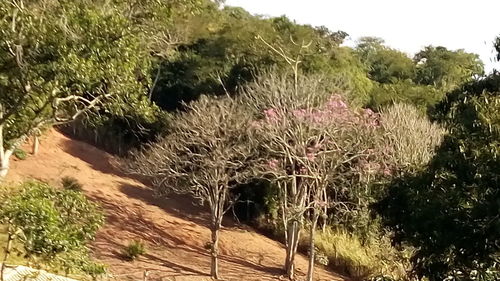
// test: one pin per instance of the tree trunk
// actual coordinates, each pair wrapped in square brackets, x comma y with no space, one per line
[291,249]
[325,211]
[4,157]
[214,270]
[5,153]
[310,270]
[36,144]
[4,166]
[6,256]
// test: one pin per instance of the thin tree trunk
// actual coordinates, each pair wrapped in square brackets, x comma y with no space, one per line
[5,155]
[6,256]
[310,270]
[4,161]
[291,250]
[214,270]
[325,211]
[288,258]
[36,144]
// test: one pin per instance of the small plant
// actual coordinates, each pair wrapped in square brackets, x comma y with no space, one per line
[71,183]
[321,257]
[20,154]
[208,245]
[133,250]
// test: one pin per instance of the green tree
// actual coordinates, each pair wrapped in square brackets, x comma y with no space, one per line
[385,65]
[445,69]
[449,211]
[421,96]
[54,71]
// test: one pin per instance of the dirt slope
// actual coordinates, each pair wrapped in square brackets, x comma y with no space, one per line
[174,229]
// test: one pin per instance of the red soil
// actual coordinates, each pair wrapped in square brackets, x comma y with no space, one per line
[174,229]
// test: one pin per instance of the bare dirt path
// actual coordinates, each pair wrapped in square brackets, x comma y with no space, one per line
[174,229]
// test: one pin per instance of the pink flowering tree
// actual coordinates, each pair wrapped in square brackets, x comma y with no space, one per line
[309,141]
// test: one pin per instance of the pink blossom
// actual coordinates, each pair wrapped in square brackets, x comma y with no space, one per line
[387,172]
[273,164]
[299,113]
[336,102]
[271,114]
[314,148]
[311,156]
[255,124]
[368,112]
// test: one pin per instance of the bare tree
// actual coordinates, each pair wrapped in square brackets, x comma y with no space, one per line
[206,153]
[309,139]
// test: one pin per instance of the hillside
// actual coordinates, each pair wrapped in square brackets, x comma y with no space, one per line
[174,229]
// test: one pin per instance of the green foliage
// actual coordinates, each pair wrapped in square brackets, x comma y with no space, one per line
[71,183]
[225,54]
[422,96]
[94,64]
[53,223]
[445,69]
[20,154]
[449,210]
[133,250]
[385,65]
[361,260]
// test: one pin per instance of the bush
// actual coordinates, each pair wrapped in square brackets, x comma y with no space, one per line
[53,223]
[347,254]
[71,183]
[20,154]
[133,250]
[421,96]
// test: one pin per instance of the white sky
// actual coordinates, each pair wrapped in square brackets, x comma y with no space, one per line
[407,25]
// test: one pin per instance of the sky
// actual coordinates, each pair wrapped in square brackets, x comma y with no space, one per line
[406,25]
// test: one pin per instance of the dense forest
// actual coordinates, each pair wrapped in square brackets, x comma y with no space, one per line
[375,164]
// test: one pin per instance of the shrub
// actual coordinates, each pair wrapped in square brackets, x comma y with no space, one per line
[133,250]
[53,223]
[207,245]
[71,183]
[347,254]
[20,154]
[421,96]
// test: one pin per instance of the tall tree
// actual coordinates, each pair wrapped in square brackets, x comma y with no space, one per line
[449,211]
[445,69]
[385,65]
[309,142]
[58,60]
